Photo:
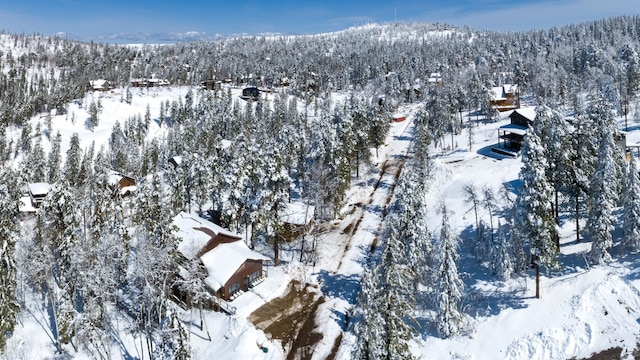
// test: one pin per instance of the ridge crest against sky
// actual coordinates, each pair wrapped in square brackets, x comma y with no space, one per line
[119,21]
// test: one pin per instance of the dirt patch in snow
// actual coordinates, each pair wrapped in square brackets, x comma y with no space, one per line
[291,319]
[614,353]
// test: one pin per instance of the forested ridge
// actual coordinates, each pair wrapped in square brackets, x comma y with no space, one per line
[92,258]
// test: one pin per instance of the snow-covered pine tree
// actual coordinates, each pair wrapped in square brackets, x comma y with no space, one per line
[369,328]
[396,284]
[35,163]
[9,231]
[501,264]
[153,268]
[417,236]
[631,206]
[62,233]
[393,295]
[579,168]
[378,126]
[449,287]
[71,170]
[472,197]
[552,129]
[600,221]
[534,215]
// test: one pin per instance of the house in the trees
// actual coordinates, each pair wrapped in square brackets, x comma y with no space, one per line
[152,82]
[38,192]
[212,84]
[231,267]
[250,93]
[435,79]
[505,97]
[176,161]
[511,136]
[99,85]
[123,184]
[296,219]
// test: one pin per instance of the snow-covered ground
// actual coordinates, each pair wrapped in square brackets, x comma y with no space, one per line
[581,310]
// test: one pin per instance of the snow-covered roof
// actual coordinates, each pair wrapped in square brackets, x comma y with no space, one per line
[528,112]
[25,205]
[39,188]
[195,232]
[177,160]
[99,84]
[514,128]
[125,190]
[225,144]
[114,177]
[434,78]
[224,260]
[297,213]
[497,93]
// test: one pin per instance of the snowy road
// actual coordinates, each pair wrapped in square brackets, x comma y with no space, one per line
[340,277]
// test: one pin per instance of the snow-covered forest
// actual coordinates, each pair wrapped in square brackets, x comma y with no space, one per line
[96,274]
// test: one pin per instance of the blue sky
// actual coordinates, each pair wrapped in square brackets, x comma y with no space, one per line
[164,20]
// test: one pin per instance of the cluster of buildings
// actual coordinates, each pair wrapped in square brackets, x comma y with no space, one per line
[230,267]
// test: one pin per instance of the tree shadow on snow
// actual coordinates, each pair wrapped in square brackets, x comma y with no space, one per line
[485,294]
[487,152]
[345,287]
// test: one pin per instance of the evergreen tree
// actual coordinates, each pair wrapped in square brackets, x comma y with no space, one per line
[72,163]
[62,234]
[369,328]
[631,205]
[449,287]
[600,222]
[35,162]
[9,231]
[534,214]
[501,264]
[54,159]
[397,283]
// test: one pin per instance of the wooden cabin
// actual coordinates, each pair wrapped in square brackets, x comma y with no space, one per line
[38,192]
[505,97]
[511,136]
[99,85]
[124,184]
[231,267]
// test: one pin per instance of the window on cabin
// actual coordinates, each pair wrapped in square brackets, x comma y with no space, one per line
[255,275]
[234,288]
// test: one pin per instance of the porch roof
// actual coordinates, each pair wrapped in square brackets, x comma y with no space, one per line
[515,129]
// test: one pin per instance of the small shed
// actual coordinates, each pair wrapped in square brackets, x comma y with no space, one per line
[296,219]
